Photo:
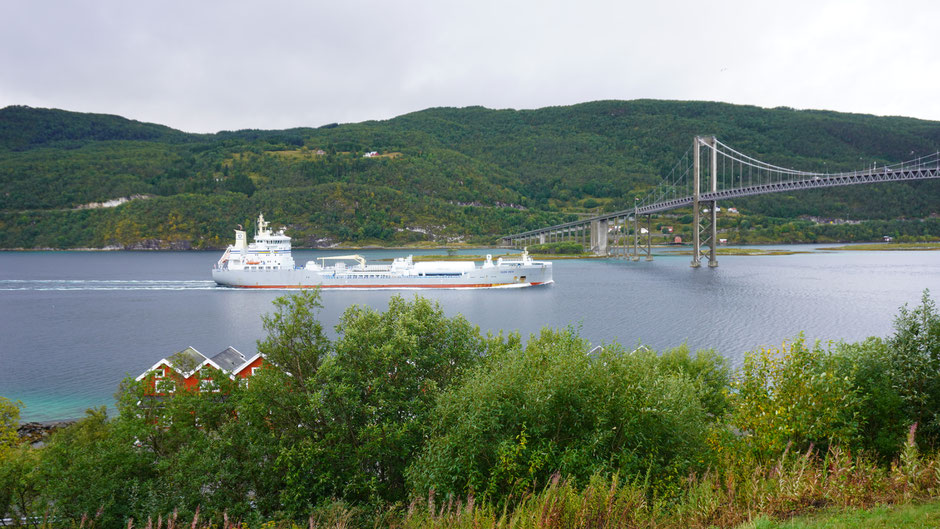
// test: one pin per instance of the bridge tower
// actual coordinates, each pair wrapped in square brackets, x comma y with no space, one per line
[637,247]
[698,227]
[599,231]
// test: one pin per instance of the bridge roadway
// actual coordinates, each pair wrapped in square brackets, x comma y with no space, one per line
[598,226]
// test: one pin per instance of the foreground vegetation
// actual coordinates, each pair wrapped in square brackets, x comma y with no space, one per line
[411,419]
[444,175]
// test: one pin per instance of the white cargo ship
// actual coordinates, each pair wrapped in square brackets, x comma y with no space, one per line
[267,263]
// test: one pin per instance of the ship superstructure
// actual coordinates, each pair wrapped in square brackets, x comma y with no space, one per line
[269,251]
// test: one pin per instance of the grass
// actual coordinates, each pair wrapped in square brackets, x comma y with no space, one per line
[835,482]
[911,516]
[889,246]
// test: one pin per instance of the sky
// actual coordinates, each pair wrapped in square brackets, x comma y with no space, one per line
[211,65]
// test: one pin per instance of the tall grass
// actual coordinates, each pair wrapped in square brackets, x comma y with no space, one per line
[738,491]
[792,485]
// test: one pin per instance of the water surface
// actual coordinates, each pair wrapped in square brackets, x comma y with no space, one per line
[73,324]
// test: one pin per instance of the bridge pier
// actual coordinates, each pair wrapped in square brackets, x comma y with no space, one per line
[599,230]
[713,236]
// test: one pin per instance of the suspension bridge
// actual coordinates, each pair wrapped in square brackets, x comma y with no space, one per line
[699,183]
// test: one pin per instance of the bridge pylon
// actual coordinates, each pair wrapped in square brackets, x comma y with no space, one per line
[639,248]
[702,229]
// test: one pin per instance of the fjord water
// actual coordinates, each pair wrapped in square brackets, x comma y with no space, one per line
[74,324]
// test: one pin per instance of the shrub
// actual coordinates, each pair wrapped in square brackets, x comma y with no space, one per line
[565,247]
[914,353]
[797,395]
[882,420]
[708,370]
[551,407]
[90,467]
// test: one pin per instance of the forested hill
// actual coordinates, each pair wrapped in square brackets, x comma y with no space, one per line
[23,128]
[442,174]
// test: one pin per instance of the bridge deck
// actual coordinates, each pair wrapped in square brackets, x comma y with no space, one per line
[885,174]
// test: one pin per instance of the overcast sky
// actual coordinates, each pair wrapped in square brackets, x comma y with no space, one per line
[205,66]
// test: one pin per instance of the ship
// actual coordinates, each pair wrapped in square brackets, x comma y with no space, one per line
[267,263]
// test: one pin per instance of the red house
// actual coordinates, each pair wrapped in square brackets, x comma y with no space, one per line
[249,368]
[191,370]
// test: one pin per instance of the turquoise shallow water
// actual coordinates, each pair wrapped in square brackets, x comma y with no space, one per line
[73,324]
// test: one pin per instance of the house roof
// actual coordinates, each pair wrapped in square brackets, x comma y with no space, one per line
[229,359]
[187,360]
[183,362]
[246,364]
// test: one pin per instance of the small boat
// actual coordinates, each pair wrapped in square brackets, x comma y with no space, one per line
[267,263]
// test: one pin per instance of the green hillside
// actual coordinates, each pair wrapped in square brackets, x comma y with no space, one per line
[442,175]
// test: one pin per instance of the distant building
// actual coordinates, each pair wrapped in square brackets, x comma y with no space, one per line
[887,238]
[191,370]
[370,154]
[667,229]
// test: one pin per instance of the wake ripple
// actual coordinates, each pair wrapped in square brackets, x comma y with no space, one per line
[105,284]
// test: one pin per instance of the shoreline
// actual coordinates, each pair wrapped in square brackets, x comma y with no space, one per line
[680,249]
[36,433]
[836,245]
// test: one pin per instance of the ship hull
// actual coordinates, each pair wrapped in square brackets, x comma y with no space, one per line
[495,277]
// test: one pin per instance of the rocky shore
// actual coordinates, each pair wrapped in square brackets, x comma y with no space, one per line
[37,433]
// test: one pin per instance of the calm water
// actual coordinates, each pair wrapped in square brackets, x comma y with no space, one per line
[73,324]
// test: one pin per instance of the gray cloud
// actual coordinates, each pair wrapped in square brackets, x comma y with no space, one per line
[208,66]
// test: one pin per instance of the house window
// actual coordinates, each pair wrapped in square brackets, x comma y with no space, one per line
[207,384]
[254,370]
[159,372]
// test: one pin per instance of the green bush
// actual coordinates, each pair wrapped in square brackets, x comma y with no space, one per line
[795,394]
[91,468]
[549,407]
[708,370]
[882,420]
[914,354]
[572,248]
